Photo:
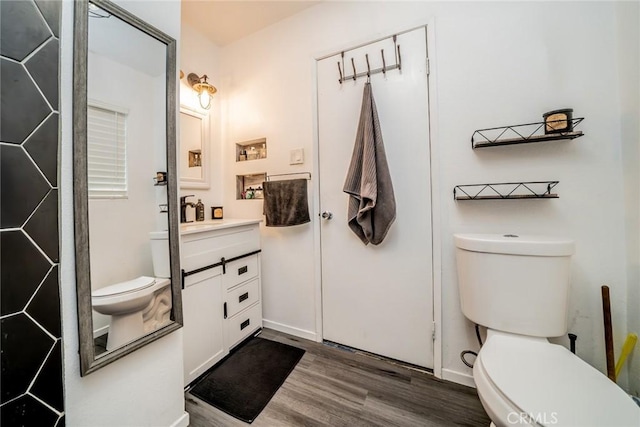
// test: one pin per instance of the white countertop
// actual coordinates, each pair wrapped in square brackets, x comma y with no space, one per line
[214,224]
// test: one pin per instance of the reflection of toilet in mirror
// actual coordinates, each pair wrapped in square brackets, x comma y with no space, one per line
[139,306]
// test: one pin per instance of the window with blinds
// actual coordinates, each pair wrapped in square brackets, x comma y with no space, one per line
[106,152]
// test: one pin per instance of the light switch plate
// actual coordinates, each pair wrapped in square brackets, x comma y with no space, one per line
[296,157]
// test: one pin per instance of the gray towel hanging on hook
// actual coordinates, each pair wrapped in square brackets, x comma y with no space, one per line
[372,204]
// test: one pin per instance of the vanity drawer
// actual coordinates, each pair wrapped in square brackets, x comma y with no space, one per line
[244,324]
[240,271]
[242,297]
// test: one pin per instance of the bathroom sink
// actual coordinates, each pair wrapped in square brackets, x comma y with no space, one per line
[214,224]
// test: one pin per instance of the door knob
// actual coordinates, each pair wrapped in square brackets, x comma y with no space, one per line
[327,215]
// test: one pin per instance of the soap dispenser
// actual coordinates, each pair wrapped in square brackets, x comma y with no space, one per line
[199,210]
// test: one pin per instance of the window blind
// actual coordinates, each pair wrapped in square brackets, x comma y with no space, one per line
[106,152]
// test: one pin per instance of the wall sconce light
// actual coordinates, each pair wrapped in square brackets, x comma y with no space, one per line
[205,89]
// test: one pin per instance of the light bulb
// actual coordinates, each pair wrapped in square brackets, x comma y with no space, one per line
[205,99]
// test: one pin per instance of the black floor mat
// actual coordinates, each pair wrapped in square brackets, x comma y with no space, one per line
[245,382]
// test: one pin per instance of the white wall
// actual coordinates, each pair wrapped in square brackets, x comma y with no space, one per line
[143,388]
[198,55]
[495,64]
[628,16]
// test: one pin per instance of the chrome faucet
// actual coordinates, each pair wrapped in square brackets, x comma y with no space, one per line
[183,208]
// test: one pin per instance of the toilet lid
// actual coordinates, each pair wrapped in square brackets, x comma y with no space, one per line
[554,386]
[138,284]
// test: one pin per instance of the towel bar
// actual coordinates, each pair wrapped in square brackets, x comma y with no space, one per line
[293,173]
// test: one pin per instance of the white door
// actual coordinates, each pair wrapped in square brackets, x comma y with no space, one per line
[378,298]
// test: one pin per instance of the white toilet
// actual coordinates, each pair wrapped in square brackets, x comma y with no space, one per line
[140,305]
[517,287]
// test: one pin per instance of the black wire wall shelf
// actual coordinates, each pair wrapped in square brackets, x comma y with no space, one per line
[506,190]
[521,134]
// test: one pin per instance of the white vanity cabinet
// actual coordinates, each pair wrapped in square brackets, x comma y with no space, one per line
[221,294]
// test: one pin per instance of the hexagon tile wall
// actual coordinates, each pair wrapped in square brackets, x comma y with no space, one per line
[31,342]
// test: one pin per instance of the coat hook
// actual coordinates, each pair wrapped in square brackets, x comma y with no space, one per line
[340,71]
[395,48]
[384,64]
[366,55]
[354,69]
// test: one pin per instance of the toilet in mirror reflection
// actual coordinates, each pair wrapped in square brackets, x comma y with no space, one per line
[139,306]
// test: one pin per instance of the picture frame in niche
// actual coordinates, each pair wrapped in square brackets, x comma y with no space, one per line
[217,212]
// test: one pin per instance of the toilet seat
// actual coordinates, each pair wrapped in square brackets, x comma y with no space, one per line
[573,393]
[124,288]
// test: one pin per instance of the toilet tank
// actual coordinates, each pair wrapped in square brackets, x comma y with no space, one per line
[517,284]
[160,253]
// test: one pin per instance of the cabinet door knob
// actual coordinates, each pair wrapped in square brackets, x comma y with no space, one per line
[327,215]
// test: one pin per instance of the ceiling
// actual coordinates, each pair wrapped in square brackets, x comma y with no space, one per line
[225,21]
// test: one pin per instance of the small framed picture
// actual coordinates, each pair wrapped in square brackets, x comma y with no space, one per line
[217,212]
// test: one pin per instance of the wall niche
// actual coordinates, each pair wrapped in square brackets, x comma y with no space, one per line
[250,186]
[251,150]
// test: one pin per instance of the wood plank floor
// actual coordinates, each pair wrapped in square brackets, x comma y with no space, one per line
[335,387]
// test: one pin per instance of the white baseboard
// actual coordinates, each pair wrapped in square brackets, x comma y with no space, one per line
[100,331]
[458,377]
[309,335]
[183,421]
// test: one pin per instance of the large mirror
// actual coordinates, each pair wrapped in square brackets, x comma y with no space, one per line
[125,183]
[194,149]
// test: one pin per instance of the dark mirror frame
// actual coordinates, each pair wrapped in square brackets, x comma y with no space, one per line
[88,360]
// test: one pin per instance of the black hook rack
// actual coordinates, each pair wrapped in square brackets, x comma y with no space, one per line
[369,72]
